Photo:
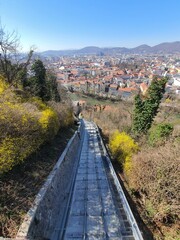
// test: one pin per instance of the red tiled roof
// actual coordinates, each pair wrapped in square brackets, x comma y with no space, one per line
[127,89]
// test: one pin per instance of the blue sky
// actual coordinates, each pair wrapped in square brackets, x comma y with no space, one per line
[72,24]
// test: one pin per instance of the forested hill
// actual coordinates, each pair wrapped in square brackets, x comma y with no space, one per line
[162,48]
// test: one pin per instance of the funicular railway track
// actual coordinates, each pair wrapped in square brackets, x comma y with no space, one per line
[97,207]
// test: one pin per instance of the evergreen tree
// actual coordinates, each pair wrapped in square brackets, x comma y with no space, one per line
[52,87]
[145,110]
[38,81]
[43,83]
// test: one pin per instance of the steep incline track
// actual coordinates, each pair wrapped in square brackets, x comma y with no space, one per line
[97,208]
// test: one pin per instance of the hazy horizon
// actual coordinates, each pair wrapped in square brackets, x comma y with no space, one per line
[69,24]
[74,49]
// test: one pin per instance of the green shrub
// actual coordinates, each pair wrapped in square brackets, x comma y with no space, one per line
[159,133]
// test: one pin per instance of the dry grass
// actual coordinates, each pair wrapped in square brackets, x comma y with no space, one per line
[64,111]
[155,178]
[111,118]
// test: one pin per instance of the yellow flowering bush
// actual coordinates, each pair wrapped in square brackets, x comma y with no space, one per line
[49,122]
[25,124]
[20,134]
[122,147]
[3,85]
[13,151]
[23,128]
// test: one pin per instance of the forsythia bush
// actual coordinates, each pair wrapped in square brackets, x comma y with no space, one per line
[22,131]
[49,122]
[24,126]
[13,151]
[3,85]
[122,147]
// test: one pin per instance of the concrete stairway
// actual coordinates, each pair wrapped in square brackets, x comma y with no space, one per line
[95,209]
[82,198]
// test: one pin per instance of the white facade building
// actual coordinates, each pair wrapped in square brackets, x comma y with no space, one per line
[176,80]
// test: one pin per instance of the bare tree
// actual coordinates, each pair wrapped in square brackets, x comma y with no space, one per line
[9,45]
[12,66]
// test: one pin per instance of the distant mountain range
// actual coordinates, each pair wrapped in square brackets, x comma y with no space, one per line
[163,48]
